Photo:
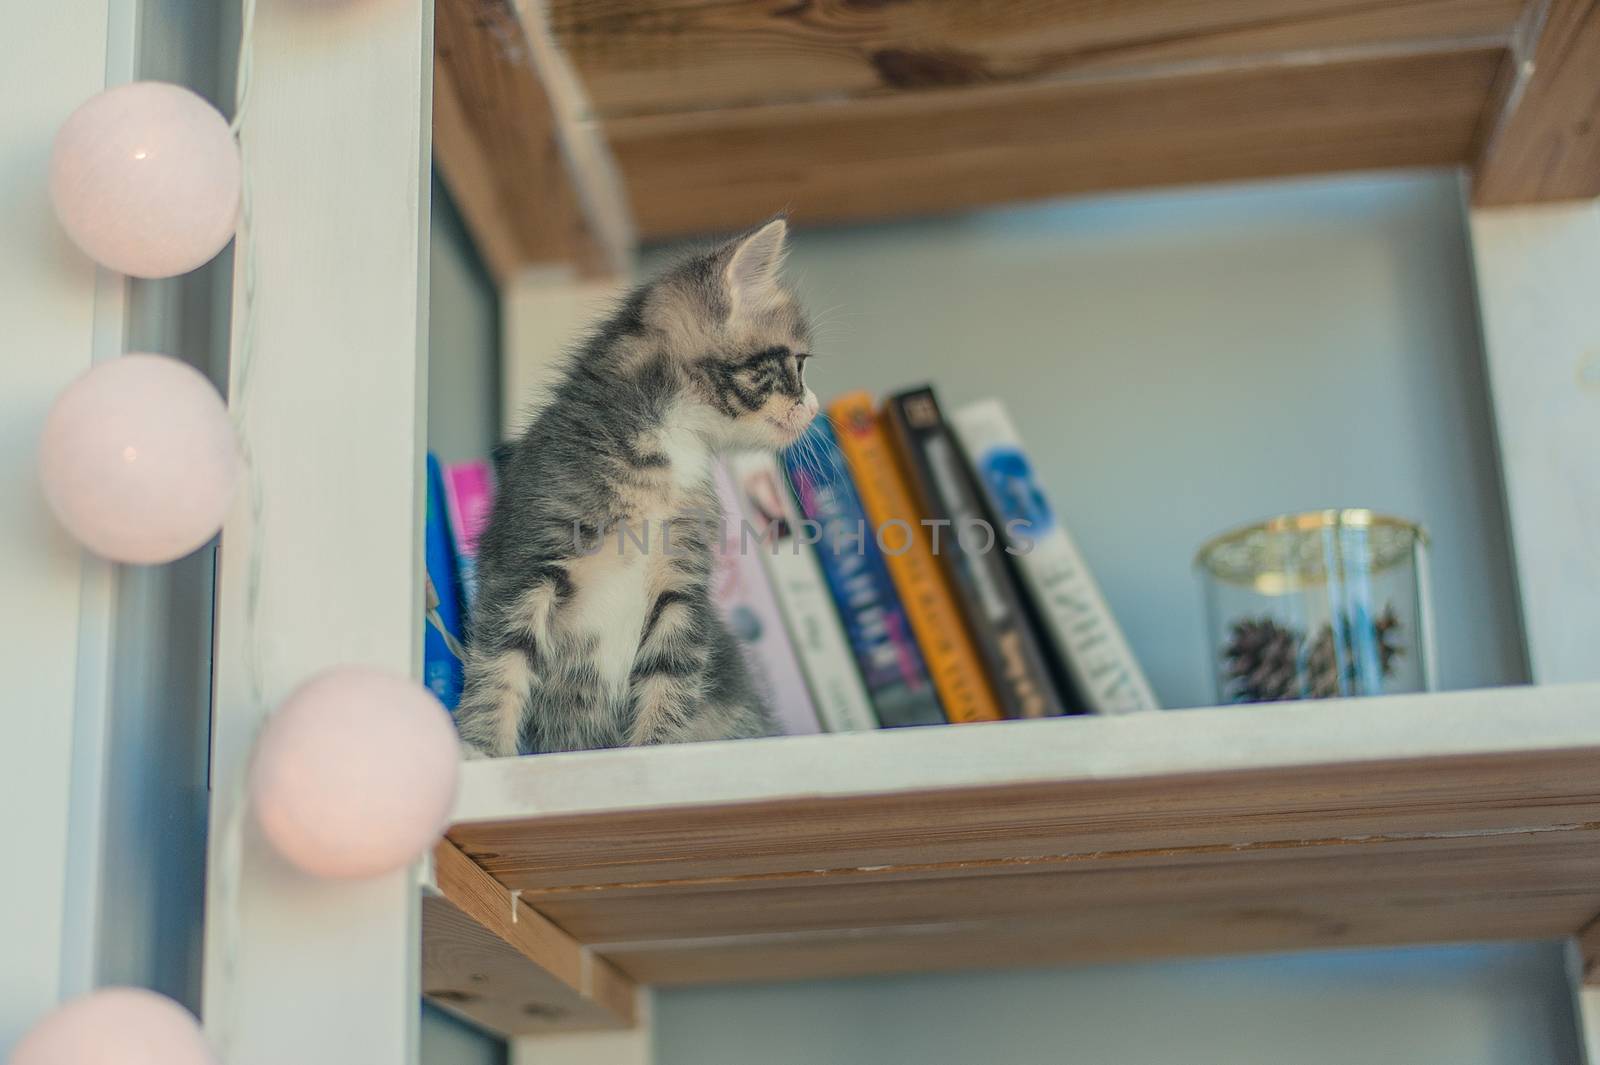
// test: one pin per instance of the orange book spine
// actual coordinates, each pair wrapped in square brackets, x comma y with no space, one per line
[935,620]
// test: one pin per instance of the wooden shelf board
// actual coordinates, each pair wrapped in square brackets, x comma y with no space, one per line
[959,148]
[1544,141]
[1446,817]
[1213,740]
[531,183]
[506,967]
[719,115]
[644,57]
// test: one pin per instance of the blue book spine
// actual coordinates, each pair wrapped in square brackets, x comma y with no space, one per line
[442,671]
[880,634]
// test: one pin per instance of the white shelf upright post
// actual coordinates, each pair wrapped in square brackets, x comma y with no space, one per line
[321,554]
[1538,271]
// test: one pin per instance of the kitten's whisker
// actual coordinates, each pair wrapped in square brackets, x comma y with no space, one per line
[805,455]
[800,451]
[827,462]
[788,469]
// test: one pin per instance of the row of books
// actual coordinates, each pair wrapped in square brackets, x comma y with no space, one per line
[922,575]
[460,496]
[894,568]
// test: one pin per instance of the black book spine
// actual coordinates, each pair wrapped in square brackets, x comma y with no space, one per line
[970,550]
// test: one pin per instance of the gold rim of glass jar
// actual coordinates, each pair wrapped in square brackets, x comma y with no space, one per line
[1235,557]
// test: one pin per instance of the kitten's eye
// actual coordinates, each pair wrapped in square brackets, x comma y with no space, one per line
[800,357]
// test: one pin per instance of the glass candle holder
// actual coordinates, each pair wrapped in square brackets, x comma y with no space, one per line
[1318,605]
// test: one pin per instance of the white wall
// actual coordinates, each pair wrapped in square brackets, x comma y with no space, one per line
[448,1041]
[1179,363]
[463,342]
[1184,362]
[1499,1005]
[52,57]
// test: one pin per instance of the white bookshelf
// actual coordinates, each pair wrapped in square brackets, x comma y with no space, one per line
[569,885]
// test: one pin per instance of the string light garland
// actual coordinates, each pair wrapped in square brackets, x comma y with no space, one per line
[115,1026]
[145,178]
[356,772]
[138,459]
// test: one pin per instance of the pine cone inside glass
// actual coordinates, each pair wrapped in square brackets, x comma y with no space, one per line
[1357,662]
[1317,604]
[1268,662]
[1262,661]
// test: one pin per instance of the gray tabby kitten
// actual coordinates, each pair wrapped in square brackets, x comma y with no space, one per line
[582,637]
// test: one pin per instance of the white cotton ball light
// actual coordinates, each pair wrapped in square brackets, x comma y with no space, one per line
[138,459]
[116,1026]
[145,179]
[355,774]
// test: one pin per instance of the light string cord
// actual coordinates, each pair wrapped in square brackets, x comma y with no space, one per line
[242,72]
[230,863]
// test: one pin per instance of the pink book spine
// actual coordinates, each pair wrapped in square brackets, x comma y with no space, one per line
[751,611]
[469,490]
[469,496]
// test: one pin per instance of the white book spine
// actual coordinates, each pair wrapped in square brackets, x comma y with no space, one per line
[1072,607]
[803,595]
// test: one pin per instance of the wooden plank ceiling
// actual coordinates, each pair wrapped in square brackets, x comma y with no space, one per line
[721,113]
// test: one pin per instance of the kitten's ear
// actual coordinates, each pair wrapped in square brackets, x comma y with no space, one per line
[751,274]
